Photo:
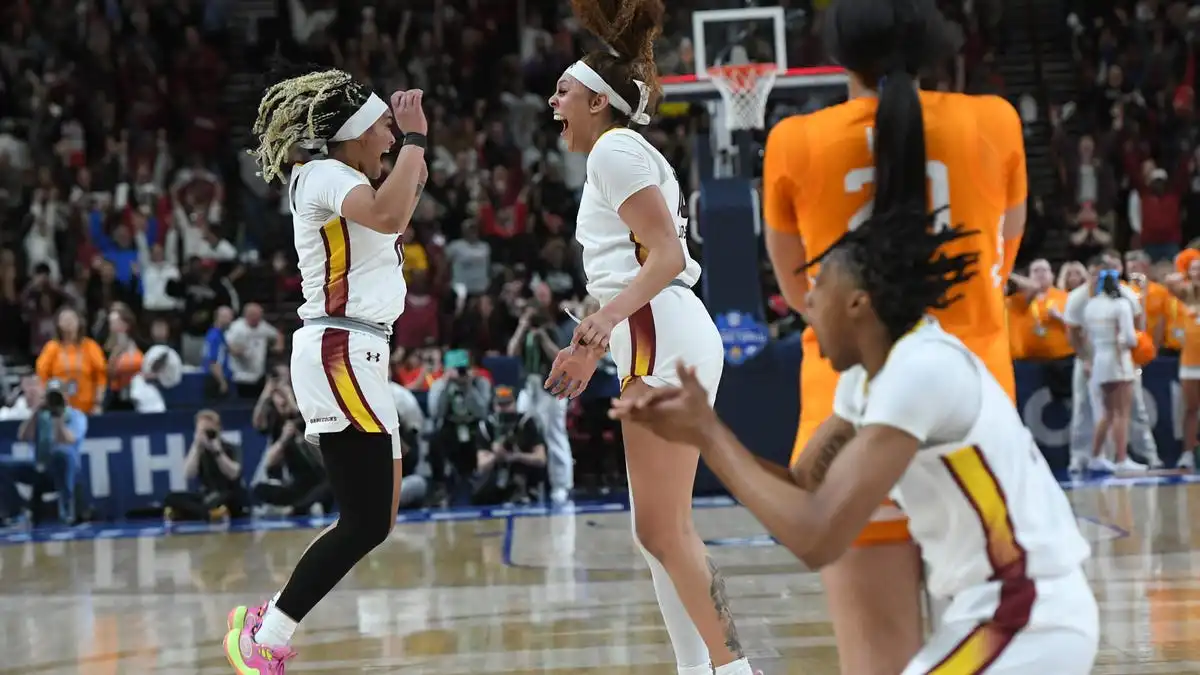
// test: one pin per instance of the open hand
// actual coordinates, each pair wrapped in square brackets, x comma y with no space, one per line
[678,414]
[572,370]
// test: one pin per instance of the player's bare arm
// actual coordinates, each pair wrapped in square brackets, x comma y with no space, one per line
[817,526]
[389,209]
[827,442]
[787,254]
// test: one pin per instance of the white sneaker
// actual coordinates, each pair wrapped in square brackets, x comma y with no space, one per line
[1131,466]
[1186,461]
[1101,465]
[1079,464]
[559,496]
[1156,463]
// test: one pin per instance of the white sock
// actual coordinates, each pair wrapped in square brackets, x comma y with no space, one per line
[276,630]
[274,599]
[739,667]
[705,669]
[691,654]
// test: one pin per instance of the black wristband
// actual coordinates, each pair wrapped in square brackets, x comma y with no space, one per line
[414,138]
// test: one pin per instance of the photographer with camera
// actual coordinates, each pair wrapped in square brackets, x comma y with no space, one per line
[217,465]
[56,431]
[459,403]
[514,465]
[306,483]
[536,343]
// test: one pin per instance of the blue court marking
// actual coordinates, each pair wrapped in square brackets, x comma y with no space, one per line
[617,504]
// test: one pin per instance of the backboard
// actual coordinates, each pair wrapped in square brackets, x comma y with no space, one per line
[743,35]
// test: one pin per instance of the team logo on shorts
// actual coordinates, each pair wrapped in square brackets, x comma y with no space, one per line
[743,335]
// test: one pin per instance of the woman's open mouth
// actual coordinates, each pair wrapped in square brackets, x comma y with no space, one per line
[558,117]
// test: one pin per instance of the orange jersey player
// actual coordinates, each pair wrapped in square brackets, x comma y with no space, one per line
[891,149]
[818,183]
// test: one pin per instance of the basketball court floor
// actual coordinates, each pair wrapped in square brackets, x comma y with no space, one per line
[524,591]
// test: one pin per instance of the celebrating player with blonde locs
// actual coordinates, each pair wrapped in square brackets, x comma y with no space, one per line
[348,241]
[632,225]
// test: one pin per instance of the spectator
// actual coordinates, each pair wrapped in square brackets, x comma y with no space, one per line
[40,301]
[536,343]
[514,462]
[124,358]
[104,290]
[305,485]
[157,271]
[202,293]
[276,405]
[16,405]
[162,369]
[470,261]
[248,340]
[1035,316]
[419,325]
[216,466]
[1155,211]
[77,363]
[459,403]
[56,430]
[216,356]
[13,336]
[417,369]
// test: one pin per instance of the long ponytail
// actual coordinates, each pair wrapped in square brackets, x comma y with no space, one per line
[885,43]
[899,146]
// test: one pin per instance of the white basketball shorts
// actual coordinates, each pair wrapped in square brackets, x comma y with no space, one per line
[341,380]
[1047,626]
[674,327]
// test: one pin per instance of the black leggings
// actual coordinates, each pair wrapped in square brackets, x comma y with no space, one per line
[360,473]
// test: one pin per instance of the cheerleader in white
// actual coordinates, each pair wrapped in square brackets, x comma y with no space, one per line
[920,419]
[1108,322]
[632,225]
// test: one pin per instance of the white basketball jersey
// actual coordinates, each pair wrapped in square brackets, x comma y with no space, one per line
[620,164]
[984,507]
[346,269]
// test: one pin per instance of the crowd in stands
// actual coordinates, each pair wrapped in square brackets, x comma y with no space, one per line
[139,242]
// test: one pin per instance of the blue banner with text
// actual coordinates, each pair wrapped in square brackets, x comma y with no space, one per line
[131,461]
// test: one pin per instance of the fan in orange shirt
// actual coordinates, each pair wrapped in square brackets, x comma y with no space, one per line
[1160,304]
[1035,314]
[891,147]
[1188,331]
[77,361]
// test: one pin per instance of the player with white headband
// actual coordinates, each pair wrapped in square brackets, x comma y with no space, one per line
[632,225]
[348,240]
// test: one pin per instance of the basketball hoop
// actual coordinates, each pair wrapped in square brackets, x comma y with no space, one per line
[744,89]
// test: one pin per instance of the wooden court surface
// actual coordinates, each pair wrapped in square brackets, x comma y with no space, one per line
[541,594]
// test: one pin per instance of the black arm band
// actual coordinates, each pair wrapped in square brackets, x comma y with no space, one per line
[413,138]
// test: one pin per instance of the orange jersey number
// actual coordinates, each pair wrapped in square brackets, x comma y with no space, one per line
[818,182]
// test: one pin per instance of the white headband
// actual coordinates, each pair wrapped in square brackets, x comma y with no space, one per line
[592,80]
[358,124]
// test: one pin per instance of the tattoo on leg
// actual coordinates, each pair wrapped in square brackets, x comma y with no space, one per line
[420,189]
[724,614]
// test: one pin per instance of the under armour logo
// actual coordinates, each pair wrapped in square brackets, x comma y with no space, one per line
[373,356]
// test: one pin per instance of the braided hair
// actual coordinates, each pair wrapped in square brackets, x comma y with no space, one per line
[895,257]
[305,106]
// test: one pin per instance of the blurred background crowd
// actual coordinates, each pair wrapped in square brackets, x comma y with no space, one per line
[137,242]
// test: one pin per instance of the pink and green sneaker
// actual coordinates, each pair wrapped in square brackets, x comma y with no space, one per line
[247,656]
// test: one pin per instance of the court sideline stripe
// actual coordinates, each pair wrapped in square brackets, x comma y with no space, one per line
[132,529]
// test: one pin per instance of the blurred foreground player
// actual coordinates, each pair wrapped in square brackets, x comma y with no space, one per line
[926,423]
[823,175]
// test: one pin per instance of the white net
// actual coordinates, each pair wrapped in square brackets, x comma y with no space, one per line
[744,90]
